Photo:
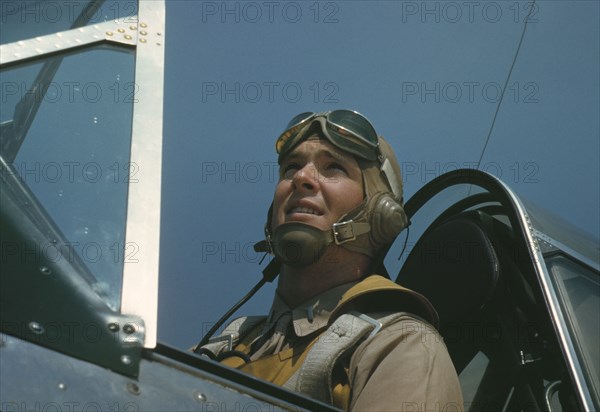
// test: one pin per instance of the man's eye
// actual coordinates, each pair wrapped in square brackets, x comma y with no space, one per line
[288,171]
[334,166]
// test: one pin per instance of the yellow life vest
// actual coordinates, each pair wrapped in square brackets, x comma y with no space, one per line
[316,365]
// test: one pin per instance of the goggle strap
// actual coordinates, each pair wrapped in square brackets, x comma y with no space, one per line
[388,171]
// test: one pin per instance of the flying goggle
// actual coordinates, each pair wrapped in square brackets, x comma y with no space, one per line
[346,129]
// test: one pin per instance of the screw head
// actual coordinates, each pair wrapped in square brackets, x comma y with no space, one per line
[128,328]
[36,328]
[133,388]
[126,360]
[113,327]
[199,396]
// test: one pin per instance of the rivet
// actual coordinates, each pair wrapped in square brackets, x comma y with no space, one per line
[132,28]
[158,44]
[126,360]
[113,327]
[143,25]
[109,33]
[142,40]
[128,328]
[45,270]
[133,388]
[143,32]
[199,396]
[159,34]
[128,37]
[120,30]
[36,328]
[62,386]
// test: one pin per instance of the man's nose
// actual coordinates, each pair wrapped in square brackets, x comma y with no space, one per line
[307,178]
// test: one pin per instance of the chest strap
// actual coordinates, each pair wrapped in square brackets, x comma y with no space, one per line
[230,337]
[314,377]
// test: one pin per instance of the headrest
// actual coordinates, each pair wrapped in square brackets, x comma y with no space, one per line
[455,266]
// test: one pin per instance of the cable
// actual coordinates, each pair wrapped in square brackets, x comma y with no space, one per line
[487,140]
[269,274]
[405,242]
[227,314]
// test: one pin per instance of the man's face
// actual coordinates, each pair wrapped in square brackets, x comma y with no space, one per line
[318,184]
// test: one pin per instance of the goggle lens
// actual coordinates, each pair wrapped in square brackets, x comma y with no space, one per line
[355,123]
[292,128]
[346,129]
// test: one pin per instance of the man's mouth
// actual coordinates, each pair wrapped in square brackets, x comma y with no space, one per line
[305,210]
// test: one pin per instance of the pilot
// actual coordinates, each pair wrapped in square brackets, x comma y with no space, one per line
[339,331]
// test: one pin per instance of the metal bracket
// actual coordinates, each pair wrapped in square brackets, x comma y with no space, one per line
[528,358]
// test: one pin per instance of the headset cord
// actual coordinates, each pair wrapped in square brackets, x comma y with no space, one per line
[269,274]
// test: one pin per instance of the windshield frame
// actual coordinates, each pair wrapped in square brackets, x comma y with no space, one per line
[139,293]
[529,240]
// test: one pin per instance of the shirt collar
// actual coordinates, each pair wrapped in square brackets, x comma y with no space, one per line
[313,314]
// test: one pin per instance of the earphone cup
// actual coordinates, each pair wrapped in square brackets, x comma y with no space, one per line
[387,220]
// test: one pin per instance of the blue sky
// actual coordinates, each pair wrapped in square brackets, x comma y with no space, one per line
[428,76]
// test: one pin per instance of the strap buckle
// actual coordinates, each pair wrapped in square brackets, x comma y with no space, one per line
[343,232]
[377,325]
[227,339]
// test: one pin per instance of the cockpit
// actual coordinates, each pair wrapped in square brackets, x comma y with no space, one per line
[80,161]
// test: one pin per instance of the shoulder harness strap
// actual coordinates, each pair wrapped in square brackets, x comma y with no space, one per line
[314,378]
[233,333]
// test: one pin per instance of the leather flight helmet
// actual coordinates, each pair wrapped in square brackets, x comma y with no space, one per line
[368,228]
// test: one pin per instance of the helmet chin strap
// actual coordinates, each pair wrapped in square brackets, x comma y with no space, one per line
[299,244]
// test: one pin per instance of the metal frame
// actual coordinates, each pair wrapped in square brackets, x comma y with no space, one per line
[168,380]
[552,302]
[140,279]
[139,295]
[554,244]
[48,298]
[521,221]
[116,31]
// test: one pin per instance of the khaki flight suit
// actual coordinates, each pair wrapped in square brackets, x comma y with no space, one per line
[404,367]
